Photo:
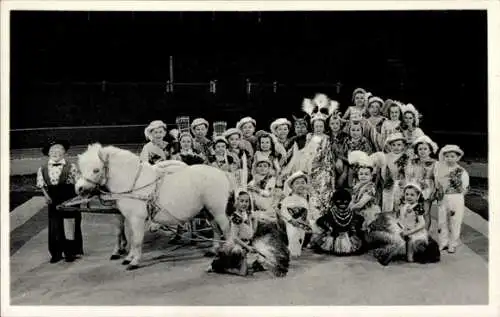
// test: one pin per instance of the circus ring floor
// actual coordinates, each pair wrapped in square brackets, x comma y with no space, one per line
[178,277]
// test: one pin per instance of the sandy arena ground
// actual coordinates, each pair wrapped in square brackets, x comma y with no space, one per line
[176,275]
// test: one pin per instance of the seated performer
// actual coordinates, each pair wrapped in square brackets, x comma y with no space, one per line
[341,228]
[403,234]
[256,242]
[294,211]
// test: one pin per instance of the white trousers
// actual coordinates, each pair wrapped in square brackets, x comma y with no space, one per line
[295,239]
[391,199]
[450,216]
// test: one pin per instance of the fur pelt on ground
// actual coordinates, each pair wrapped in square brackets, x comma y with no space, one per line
[384,238]
[270,243]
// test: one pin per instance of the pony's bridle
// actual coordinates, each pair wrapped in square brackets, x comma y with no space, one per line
[103,179]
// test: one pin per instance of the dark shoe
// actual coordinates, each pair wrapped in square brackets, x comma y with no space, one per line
[70,258]
[55,259]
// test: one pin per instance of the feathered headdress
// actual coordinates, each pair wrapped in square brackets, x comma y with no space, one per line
[411,108]
[319,108]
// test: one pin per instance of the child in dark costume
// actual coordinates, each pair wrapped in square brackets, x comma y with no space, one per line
[57,180]
[341,226]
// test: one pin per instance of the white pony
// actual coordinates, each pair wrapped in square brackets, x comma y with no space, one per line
[177,191]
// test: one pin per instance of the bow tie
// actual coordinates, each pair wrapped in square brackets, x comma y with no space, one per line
[56,164]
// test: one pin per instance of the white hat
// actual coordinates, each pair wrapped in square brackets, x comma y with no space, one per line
[281,121]
[358,91]
[374,99]
[259,158]
[199,121]
[394,137]
[360,158]
[232,131]
[450,148]
[220,138]
[388,105]
[295,176]
[426,139]
[411,108]
[414,185]
[245,121]
[154,125]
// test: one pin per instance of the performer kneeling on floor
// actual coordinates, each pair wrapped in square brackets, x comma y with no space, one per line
[294,210]
[56,179]
[341,227]
[256,242]
[404,234]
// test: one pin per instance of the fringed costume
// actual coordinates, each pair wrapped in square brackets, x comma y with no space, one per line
[341,228]
[370,210]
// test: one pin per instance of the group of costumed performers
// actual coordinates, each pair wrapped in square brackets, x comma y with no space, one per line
[346,184]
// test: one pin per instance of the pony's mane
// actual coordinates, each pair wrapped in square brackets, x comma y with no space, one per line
[94,149]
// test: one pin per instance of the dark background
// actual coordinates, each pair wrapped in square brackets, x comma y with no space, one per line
[436,60]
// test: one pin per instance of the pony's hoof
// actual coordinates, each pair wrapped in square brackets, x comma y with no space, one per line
[132,267]
[126,262]
[122,252]
[114,257]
